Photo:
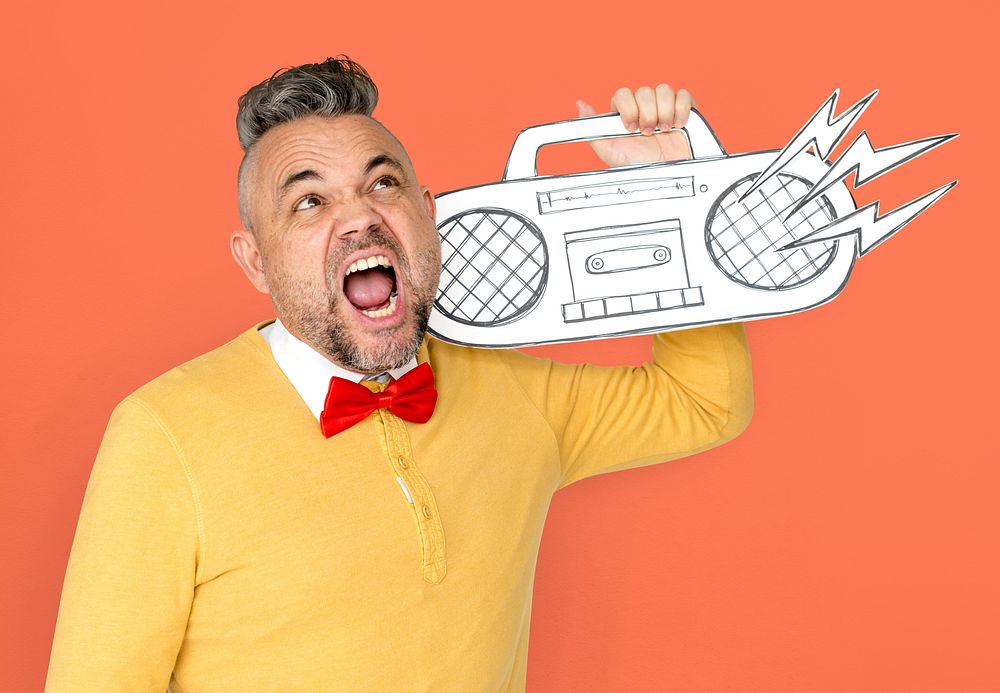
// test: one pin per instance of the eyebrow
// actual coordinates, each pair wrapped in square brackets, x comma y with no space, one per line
[307,174]
[380,159]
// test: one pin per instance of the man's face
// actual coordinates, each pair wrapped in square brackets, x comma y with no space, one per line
[349,249]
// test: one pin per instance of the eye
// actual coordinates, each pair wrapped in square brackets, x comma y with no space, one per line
[307,202]
[386,181]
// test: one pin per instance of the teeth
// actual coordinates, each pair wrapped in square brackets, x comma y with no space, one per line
[384,312]
[368,263]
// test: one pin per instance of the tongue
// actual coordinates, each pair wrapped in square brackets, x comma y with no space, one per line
[368,288]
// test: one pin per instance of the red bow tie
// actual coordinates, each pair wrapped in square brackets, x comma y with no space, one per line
[411,397]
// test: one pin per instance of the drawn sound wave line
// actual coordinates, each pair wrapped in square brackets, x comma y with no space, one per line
[622,191]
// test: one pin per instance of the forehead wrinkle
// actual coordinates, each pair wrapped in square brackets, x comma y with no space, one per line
[314,141]
[404,159]
[292,169]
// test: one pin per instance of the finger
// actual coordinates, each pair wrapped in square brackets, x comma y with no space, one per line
[665,106]
[585,109]
[682,107]
[645,97]
[623,101]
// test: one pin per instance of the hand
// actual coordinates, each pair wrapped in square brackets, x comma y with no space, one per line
[644,110]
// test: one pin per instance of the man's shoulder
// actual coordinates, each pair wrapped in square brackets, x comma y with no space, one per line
[235,369]
[450,356]
[467,363]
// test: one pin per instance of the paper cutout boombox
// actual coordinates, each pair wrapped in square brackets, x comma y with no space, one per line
[540,259]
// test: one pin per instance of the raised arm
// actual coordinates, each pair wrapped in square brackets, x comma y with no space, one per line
[695,393]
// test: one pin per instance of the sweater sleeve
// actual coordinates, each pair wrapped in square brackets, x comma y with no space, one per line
[694,394]
[130,578]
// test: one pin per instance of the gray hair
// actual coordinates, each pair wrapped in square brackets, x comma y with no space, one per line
[333,87]
[330,88]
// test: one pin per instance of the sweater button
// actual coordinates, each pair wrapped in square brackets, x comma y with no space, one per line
[402,462]
[427,511]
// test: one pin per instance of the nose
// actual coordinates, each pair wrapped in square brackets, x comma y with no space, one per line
[356,218]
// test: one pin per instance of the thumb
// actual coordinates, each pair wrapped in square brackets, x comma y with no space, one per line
[601,147]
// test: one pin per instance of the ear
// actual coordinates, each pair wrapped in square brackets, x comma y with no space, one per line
[244,247]
[429,202]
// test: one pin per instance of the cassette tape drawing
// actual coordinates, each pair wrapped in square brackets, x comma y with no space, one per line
[667,245]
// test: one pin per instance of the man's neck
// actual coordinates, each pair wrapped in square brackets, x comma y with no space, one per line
[322,352]
[309,370]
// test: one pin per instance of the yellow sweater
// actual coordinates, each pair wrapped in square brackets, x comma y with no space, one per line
[225,545]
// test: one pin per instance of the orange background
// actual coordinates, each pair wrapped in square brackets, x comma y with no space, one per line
[847,541]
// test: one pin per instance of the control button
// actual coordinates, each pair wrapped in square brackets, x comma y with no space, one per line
[427,511]
[402,462]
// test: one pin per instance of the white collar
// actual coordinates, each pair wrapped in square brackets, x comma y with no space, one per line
[307,369]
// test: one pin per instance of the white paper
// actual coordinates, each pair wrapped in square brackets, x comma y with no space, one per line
[662,246]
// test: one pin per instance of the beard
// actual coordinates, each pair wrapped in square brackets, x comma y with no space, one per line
[314,313]
[386,354]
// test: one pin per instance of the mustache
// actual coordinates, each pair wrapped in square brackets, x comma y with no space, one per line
[372,239]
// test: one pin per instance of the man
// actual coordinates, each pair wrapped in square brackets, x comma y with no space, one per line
[333,501]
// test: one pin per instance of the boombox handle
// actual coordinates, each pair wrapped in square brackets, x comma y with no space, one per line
[523,159]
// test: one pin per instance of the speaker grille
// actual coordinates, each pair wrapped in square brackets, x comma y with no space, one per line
[742,236]
[493,267]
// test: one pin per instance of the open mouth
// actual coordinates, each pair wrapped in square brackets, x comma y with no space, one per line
[370,286]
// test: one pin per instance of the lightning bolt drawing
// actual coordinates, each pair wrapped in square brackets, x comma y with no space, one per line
[822,131]
[870,228]
[868,163]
